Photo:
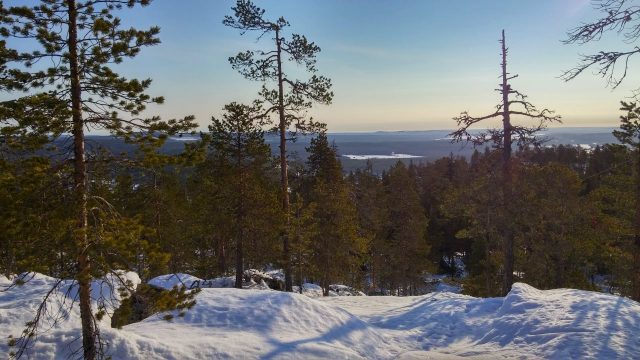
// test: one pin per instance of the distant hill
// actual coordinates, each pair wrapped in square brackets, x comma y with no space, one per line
[384,148]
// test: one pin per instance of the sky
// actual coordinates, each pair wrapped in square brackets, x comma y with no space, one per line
[395,65]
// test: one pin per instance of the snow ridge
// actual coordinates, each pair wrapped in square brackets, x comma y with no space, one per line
[252,323]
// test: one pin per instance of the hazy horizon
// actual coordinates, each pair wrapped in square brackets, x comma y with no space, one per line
[394,67]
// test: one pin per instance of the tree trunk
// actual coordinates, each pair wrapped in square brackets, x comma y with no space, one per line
[239,262]
[636,248]
[284,177]
[222,256]
[298,240]
[83,275]
[239,212]
[506,174]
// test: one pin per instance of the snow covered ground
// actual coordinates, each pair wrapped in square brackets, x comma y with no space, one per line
[266,324]
[391,156]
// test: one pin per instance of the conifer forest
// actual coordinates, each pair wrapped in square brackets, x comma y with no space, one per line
[233,244]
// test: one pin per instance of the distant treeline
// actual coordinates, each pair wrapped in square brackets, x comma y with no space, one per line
[218,211]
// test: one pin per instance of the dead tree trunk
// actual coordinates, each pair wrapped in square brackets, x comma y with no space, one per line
[284,177]
[636,246]
[508,237]
[240,212]
[503,138]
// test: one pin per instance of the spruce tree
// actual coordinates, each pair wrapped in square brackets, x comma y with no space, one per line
[406,248]
[337,249]
[77,43]
[629,134]
[372,213]
[555,241]
[285,96]
[237,140]
[477,202]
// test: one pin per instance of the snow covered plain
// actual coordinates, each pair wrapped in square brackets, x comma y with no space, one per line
[391,156]
[230,323]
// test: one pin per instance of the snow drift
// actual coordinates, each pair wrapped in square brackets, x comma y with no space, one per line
[249,323]
[527,323]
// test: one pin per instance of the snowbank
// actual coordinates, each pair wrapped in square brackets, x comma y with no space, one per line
[60,322]
[224,323]
[529,323]
[234,323]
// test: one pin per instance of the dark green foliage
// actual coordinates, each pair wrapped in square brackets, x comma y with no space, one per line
[405,251]
[281,94]
[242,161]
[34,217]
[146,301]
[629,132]
[336,249]
[69,85]
[106,95]
[556,241]
[435,184]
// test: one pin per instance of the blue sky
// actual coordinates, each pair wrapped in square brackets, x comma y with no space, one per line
[395,65]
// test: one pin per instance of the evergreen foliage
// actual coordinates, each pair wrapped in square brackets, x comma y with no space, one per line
[336,251]
[552,217]
[282,94]
[71,86]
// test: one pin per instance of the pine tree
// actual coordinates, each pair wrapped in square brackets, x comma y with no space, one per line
[82,39]
[31,193]
[290,98]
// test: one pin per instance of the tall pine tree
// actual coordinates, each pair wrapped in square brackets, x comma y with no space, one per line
[285,96]
[76,44]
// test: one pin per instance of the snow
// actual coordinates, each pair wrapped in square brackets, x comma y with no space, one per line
[315,291]
[391,156]
[529,323]
[185,138]
[60,322]
[169,281]
[175,280]
[251,323]
[233,323]
[4,281]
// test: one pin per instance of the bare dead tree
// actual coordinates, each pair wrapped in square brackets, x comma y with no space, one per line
[620,16]
[504,138]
